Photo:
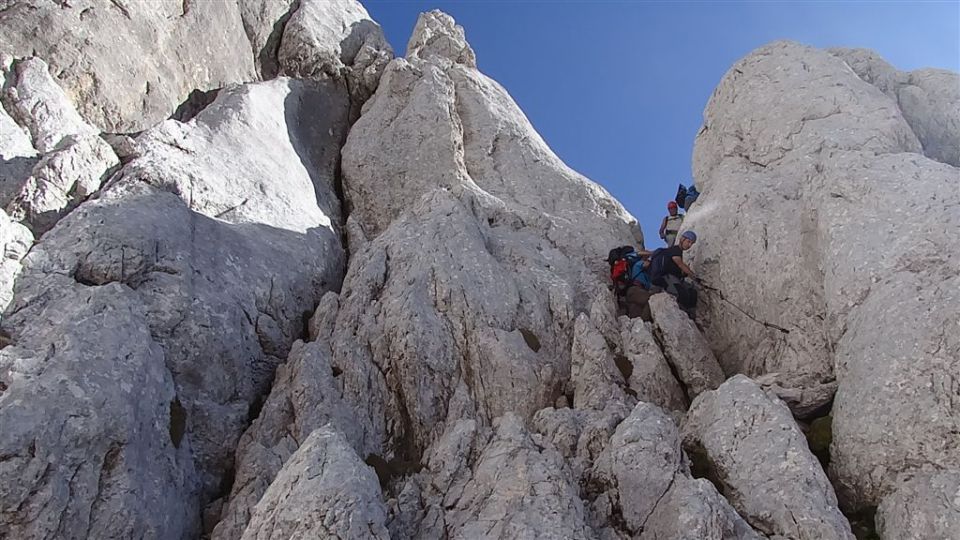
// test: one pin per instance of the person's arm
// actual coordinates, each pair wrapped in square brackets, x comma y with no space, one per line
[663,227]
[682,266]
[644,253]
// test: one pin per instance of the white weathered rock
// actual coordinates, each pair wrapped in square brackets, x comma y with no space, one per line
[926,507]
[437,38]
[35,101]
[127,65]
[17,154]
[496,485]
[580,435]
[594,375]
[304,398]
[92,445]
[641,481]
[74,158]
[223,293]
[650,376]
[684,346]
[640,463]
[335,39]
[813,188]
[762,459]
[62,179]
[323,491]
[287,183]
[15,241]
[480,248]
[928,98]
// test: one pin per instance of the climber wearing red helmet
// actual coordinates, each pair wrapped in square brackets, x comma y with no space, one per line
[670,225]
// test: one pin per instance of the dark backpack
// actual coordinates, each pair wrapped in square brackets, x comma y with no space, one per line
[681,196]
[658,261]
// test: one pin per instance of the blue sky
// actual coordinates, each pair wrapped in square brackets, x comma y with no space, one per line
[617,89]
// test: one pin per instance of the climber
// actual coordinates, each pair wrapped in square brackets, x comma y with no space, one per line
[670,225]
[667,271]
[630,280]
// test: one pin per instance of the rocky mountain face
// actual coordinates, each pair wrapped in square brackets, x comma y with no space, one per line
[269,282]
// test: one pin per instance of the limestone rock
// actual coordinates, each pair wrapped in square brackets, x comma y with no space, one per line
[304,398]
[61,180]
[296,127]
[36,102]
[762,459]
[805,402]
[650,376]
[824,174]
[323,490]
[926,506]
[497,485]
[15,241]
[74,158]
[17,154]
[693,510]
[684,346]
[127,65]
[641,480]
[640,463]
[580,435]
[596,380]
[222,291]
[928,98]
[336,39]
[91,441]
[438,36]
[480,248]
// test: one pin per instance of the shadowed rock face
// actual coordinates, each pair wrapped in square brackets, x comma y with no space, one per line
[820,214]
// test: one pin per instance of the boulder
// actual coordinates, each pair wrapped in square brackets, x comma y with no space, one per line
[580,435]
[684,347]
[594,374]
[650,376]
[760,457]
[15,241]
[928,98]
[61,180]
[324,490]
[35,101]
[335,39]
[816,161]
[641,486]
[926,506]
[17,154]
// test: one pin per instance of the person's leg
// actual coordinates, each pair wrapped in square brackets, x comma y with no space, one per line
[638,303]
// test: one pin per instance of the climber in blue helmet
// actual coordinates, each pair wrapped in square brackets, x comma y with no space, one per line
[667,270]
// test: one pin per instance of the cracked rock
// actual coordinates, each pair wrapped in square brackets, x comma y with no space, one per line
[323,490]
[762,460]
